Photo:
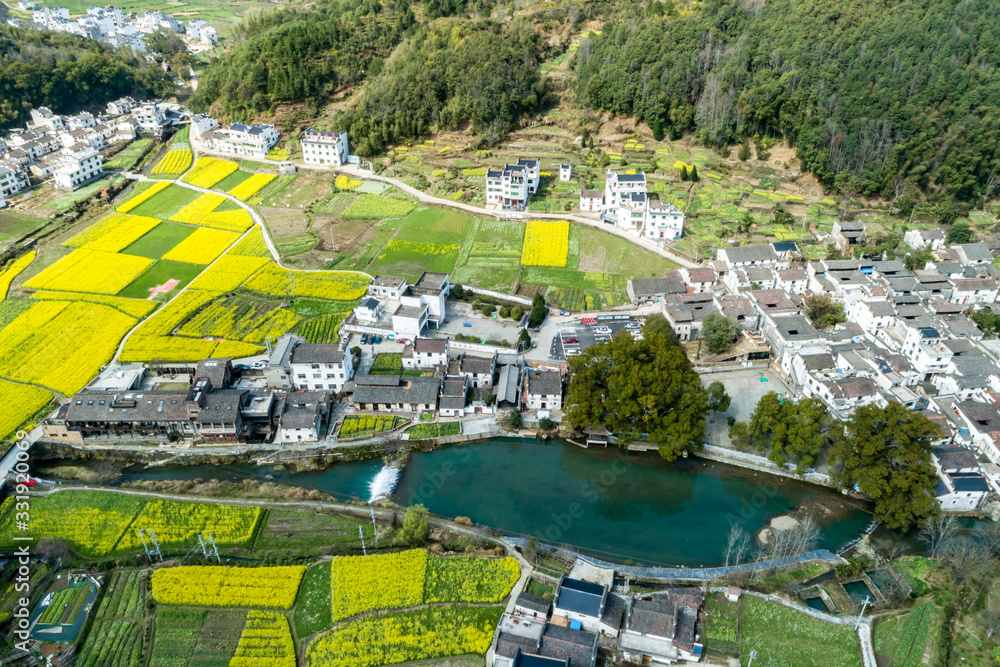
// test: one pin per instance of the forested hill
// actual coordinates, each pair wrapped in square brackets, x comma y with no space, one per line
[867,91]
[295,55]
[67,73]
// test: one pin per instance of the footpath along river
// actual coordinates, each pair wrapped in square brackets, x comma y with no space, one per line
[612,504]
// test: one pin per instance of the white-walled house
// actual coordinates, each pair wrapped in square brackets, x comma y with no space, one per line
[974,290]
[542,390]
[565,172]
[590,200]
[319,147]
[512,186]
[10,184]
[239,139]
[918,239]
[584,602]
[426,353]
[303,416]
[77,165]
[320,366]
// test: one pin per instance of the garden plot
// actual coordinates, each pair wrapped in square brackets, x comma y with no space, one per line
[159,241]
[162,280]
[289,229]
[427,240]
[160,200]
[116,637]
[778,633]
[195,637]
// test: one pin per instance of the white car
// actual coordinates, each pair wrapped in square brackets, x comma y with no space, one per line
[602,330]
[633,325]
[259,365]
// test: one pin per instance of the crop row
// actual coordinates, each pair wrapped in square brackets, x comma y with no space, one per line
[322,329]
[175,162]
[13,271]
[208,171]
[87,270]
[424,634]
[142,196]
[357,426]
[61,345]
[202,247]
[218,586]
[266,642]
[546,243]
[249,187]
[337,285]
[138,308]
[238,319]
[114,232]
[229,272]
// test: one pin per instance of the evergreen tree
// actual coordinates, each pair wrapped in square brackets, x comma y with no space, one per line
[684,173]
[694,173]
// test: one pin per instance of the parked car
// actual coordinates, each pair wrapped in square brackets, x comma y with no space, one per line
[364,339]
[377,340]
[259,365]
[466,324]
[403,341]
[571,340]
[589,320]
[633,325]
[603,330]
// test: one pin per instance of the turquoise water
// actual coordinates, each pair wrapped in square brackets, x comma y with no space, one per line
[858,591]
[610,503]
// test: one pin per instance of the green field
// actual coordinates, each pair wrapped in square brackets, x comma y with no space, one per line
[901,641]
[116,636]
[166,202]
[312,607]
[66,605]
[289,532]
[785,637]
[195,637]
[435,430]
[159,273]
[160,240]
[15,225]
[65,201]
[125,158]
[232,180]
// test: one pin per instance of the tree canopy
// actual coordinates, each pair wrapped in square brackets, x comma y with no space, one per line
[639,389]
[886,453]
[791,431]
[67,73]
[865,92]
[720,332]
[824,312]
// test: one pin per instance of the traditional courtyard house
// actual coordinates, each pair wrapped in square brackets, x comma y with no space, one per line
[590,605]
[391,393]
[918,239]
[961,485]
[972,253]
[454,391]
[661,629]
[846,235]
[304,416]
[754,256]
[650,290]
[983,423]
[542,390]
[698,279]
[426,353]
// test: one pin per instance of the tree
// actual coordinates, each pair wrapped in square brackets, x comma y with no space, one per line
[794,431]
[657,130]
[960,232]
[737,545]
[504,311]
[781,216]
[718,399]
[684,173]
[545,423]
[823,312]
[744,152]
[538,310]
[987,321]
[918,259]
[514,420]
[524,340]
[886,454]
[415,526]
[516,313]
[739,435]
[658,324]
[638,389]
[937,531]
[720,332]
[694,174]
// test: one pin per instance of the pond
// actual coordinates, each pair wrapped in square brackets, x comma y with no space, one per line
[617,505]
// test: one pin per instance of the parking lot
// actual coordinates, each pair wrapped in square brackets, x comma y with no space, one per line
[575,337]
[485,328]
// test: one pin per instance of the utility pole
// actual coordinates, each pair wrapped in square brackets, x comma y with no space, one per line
[362,534]
[156,543]
[374,525]
[868,599]
[215,548]
[204,550]
[145,547]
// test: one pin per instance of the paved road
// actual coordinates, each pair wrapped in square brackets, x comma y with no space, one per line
[431,200]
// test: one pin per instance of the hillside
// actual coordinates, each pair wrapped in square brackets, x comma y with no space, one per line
[876,99]
[67,73]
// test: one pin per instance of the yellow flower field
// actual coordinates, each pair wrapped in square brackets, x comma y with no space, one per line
[217,586]
[61,345]
[208,171]
[86,270]
[249,187]
[174,313]
[252,245]
[174,162]
[202,247]
[266,642]
[469,579]
[234,349]
[235,220]
[181,523]
[135,307]
[346,182]
[337,285]
[196,211]
[146,194]
[19,402]
[13,271]
[229,272]
[169,348]
[114,232]
[91,521]
[546,243]
[239,319]
[388,639]
[385,581]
